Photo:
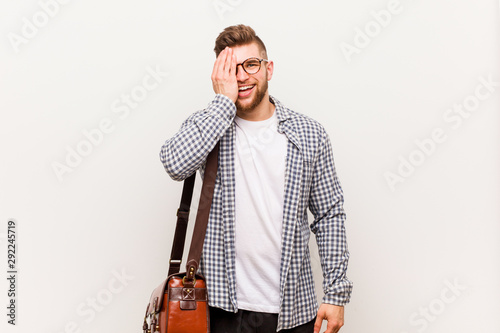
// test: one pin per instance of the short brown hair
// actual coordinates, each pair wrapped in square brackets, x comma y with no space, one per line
[237,35]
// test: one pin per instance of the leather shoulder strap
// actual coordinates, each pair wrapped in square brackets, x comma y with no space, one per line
[200,227]
[202,214]
[181,226]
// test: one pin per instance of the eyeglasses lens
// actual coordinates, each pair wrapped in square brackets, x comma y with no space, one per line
[251,66]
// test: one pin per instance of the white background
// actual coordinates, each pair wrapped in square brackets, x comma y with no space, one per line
[114,213]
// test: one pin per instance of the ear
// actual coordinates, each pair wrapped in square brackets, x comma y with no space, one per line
[270,70]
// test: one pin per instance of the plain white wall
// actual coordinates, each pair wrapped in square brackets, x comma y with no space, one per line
[94,238]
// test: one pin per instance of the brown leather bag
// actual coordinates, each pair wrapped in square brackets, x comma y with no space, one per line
[180,303]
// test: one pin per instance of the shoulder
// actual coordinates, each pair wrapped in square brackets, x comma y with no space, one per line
[306,133]
[301,124]
[307,124]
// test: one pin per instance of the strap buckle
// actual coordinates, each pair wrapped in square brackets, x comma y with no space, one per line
[175,261]
[184,280]
[183,213]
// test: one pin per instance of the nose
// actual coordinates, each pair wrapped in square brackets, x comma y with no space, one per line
[241,75]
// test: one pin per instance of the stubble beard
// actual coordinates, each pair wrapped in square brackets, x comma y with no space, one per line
[260,92]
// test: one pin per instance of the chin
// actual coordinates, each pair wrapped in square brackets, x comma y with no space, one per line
[246,106]
[251,103]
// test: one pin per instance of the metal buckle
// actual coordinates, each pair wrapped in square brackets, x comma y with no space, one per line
[182,211]
[175,261]
[184,281]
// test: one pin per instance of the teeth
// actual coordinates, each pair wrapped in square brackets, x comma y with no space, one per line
[245,88]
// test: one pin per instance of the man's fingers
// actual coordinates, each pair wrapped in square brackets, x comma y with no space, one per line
[227,61]
[233,65]
[333,314]
[219,64]
[225,68]
[216,66]
[317,324]
[332,327]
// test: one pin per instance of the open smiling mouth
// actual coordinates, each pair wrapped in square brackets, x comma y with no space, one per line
[244,91]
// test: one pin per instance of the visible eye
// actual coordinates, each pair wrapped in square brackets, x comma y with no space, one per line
[251,64]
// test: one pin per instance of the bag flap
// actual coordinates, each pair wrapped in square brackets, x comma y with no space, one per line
[156,299]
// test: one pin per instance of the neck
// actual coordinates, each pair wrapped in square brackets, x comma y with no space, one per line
[263,111]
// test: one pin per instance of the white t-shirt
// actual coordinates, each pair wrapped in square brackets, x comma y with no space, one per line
[260,160]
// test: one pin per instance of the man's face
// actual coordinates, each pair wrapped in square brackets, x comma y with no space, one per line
[252,88]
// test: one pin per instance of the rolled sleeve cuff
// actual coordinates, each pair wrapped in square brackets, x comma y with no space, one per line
[340,294]
[224,107]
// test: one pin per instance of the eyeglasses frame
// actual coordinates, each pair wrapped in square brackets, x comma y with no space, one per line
[260,65]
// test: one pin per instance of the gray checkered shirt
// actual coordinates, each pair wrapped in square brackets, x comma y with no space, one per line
[310,182]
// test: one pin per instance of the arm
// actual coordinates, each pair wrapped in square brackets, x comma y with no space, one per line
[326,204]
[187,150]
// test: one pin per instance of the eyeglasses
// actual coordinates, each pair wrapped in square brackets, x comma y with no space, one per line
[251,65]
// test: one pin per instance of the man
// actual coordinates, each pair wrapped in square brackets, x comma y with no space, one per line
[274,163]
